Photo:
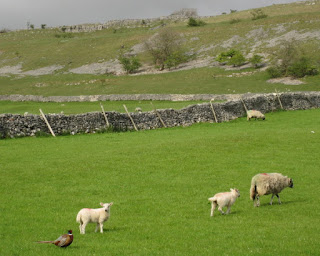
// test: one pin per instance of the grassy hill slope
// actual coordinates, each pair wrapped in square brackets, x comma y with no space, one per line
[30,50]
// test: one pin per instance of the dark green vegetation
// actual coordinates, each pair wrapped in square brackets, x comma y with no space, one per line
[192,22]
[159,182]
[84,107]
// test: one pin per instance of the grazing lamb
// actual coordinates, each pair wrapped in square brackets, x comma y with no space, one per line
[224,199]
[99,215]
[255,114]
[268,183]
[138,109]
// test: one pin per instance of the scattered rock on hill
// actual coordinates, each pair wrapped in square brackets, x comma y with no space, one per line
[112,67]
[17,70]
[285,80]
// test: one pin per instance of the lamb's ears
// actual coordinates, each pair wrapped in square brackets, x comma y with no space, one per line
[101,204]
[111,203]
[231,189]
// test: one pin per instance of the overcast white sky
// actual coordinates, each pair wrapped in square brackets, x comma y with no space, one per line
[14,14]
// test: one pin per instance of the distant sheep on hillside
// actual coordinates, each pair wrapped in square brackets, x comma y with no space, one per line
[268,183]
[255,114]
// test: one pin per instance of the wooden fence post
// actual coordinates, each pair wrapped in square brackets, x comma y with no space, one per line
[214,113]
[279,99]
[47,123]
[244,105]
[134,125]
[155,110]
[105,116]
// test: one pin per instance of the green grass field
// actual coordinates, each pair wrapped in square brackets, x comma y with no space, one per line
[195,81]
[84,107]
[160,181]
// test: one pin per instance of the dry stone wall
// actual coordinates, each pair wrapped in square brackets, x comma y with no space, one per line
[28,125]
[180,15]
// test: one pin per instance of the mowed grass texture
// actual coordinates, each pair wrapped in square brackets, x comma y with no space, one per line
[160,181]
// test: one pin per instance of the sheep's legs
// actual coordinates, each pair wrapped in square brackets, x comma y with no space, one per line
[213,207]
[271,199]
[220,210]
[256,202]
[228,210]
[276,196]
[83,228]
[97,227]
[101,227]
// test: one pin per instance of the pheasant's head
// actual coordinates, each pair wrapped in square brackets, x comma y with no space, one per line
[70,232]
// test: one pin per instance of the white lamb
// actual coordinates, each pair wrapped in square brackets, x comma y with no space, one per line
[268,183]
[224,199]
[255,114]
[99,216]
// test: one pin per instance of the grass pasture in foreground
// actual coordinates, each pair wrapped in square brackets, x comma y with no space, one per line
[159,182]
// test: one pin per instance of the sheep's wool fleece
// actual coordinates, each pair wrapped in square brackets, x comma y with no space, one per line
[270,183]
[254,114]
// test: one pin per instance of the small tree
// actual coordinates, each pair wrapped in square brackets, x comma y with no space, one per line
[231,57]
[166,49]
[237,60]
[31,26]
[291,60]
[256,60]
[175,59]
[130,64]
[43,26]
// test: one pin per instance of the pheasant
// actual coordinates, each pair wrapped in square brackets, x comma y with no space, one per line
[63,241]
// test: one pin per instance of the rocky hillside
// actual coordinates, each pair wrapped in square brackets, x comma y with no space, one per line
[94,49]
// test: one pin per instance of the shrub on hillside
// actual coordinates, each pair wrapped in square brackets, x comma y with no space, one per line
[291,60]
[237,60]
[64,35]
[256,60]
[130,64]
[195,23]
[233,21]
[231,57]
[4,30]
[302,67]
[175,59]
[258,14]
[274,71]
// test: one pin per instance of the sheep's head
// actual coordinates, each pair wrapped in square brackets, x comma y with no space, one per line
[106,206]
[290,183]
[236,191]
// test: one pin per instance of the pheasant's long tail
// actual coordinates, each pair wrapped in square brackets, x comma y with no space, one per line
[45,242]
